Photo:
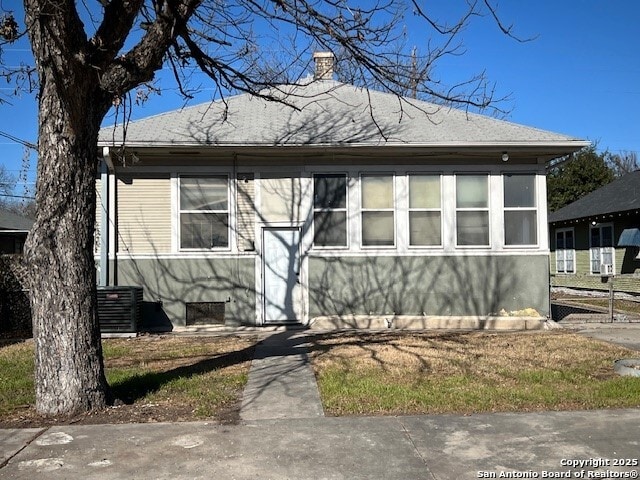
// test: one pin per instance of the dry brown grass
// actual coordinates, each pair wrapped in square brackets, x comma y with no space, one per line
[155,378]
[401,373]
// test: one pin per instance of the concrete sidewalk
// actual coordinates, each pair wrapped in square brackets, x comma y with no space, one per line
[624,334]
[417,447]
[281,382]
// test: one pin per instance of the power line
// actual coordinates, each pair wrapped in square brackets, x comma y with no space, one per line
[25,143]
[17,196]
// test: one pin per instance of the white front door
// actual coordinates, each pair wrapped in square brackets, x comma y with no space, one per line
[281,268]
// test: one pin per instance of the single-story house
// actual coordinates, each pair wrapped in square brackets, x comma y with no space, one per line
[14,229]
[596,239]
[340,206]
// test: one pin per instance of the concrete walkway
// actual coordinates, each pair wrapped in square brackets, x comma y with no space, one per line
[624,334]
[281,382]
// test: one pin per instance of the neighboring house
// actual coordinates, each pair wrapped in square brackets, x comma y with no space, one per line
[13,231]
[356,207]
[595,240]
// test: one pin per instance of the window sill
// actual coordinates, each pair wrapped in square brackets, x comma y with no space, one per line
[316,248]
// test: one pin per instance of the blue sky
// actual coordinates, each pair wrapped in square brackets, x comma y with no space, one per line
[580,76]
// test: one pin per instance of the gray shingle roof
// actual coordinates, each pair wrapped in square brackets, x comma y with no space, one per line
[329,113]
[14,222]
[620,195]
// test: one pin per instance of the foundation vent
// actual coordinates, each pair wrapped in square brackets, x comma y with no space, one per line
[205,313]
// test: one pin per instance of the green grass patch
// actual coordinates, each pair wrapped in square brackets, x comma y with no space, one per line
[469,372]
[16,377]
[165,378]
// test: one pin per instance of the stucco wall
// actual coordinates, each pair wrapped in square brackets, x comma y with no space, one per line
[447,285]
[170,283]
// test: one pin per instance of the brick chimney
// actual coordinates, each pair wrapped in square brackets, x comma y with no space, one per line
[324,65]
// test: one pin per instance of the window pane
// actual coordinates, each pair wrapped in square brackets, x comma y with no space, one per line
[559,240]
[559,261]
[208,193]
[280,198]
[472,191]
[569,239]
[377,228]
[330,191]
[377,191]
[330,229]
[424,191]
[472,228]
[595,237]
[424,228]
[204,230]
[595,260]
[520,228]
[519,191]
[607,236]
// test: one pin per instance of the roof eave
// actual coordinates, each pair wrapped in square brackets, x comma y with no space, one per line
[571,145]
[602,216]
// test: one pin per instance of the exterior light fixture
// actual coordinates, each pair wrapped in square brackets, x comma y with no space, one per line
[505,156]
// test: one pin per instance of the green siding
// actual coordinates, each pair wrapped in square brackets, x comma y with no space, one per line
[583,261]
[174,282]
[627,267]
[621,283]
[438,285]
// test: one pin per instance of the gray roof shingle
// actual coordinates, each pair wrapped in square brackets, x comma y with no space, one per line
[329,113]
[620,195]
[14,222]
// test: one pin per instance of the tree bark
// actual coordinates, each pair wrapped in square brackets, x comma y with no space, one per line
[79,78]
[69,370]
[69,374]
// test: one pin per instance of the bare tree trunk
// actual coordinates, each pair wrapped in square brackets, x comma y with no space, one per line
[59,252]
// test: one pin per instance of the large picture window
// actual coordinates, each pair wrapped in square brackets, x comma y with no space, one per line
[472,210]
[378,221]
[601,247]
[204,212]
[330,210]
[425,210]
[565,251]
[520,213]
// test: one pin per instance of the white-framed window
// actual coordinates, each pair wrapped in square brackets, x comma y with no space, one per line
[520,210]
[204,212]
[377,210]
[472,210]
[329,210]
[565,251]
[425,210]
[601,247]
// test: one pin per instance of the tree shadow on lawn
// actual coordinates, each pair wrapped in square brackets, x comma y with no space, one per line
[139,386]
[454,342]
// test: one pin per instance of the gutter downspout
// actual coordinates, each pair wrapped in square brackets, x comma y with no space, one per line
[105,166]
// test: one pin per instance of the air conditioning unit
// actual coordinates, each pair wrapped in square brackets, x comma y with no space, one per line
[119,309]
[606,270]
